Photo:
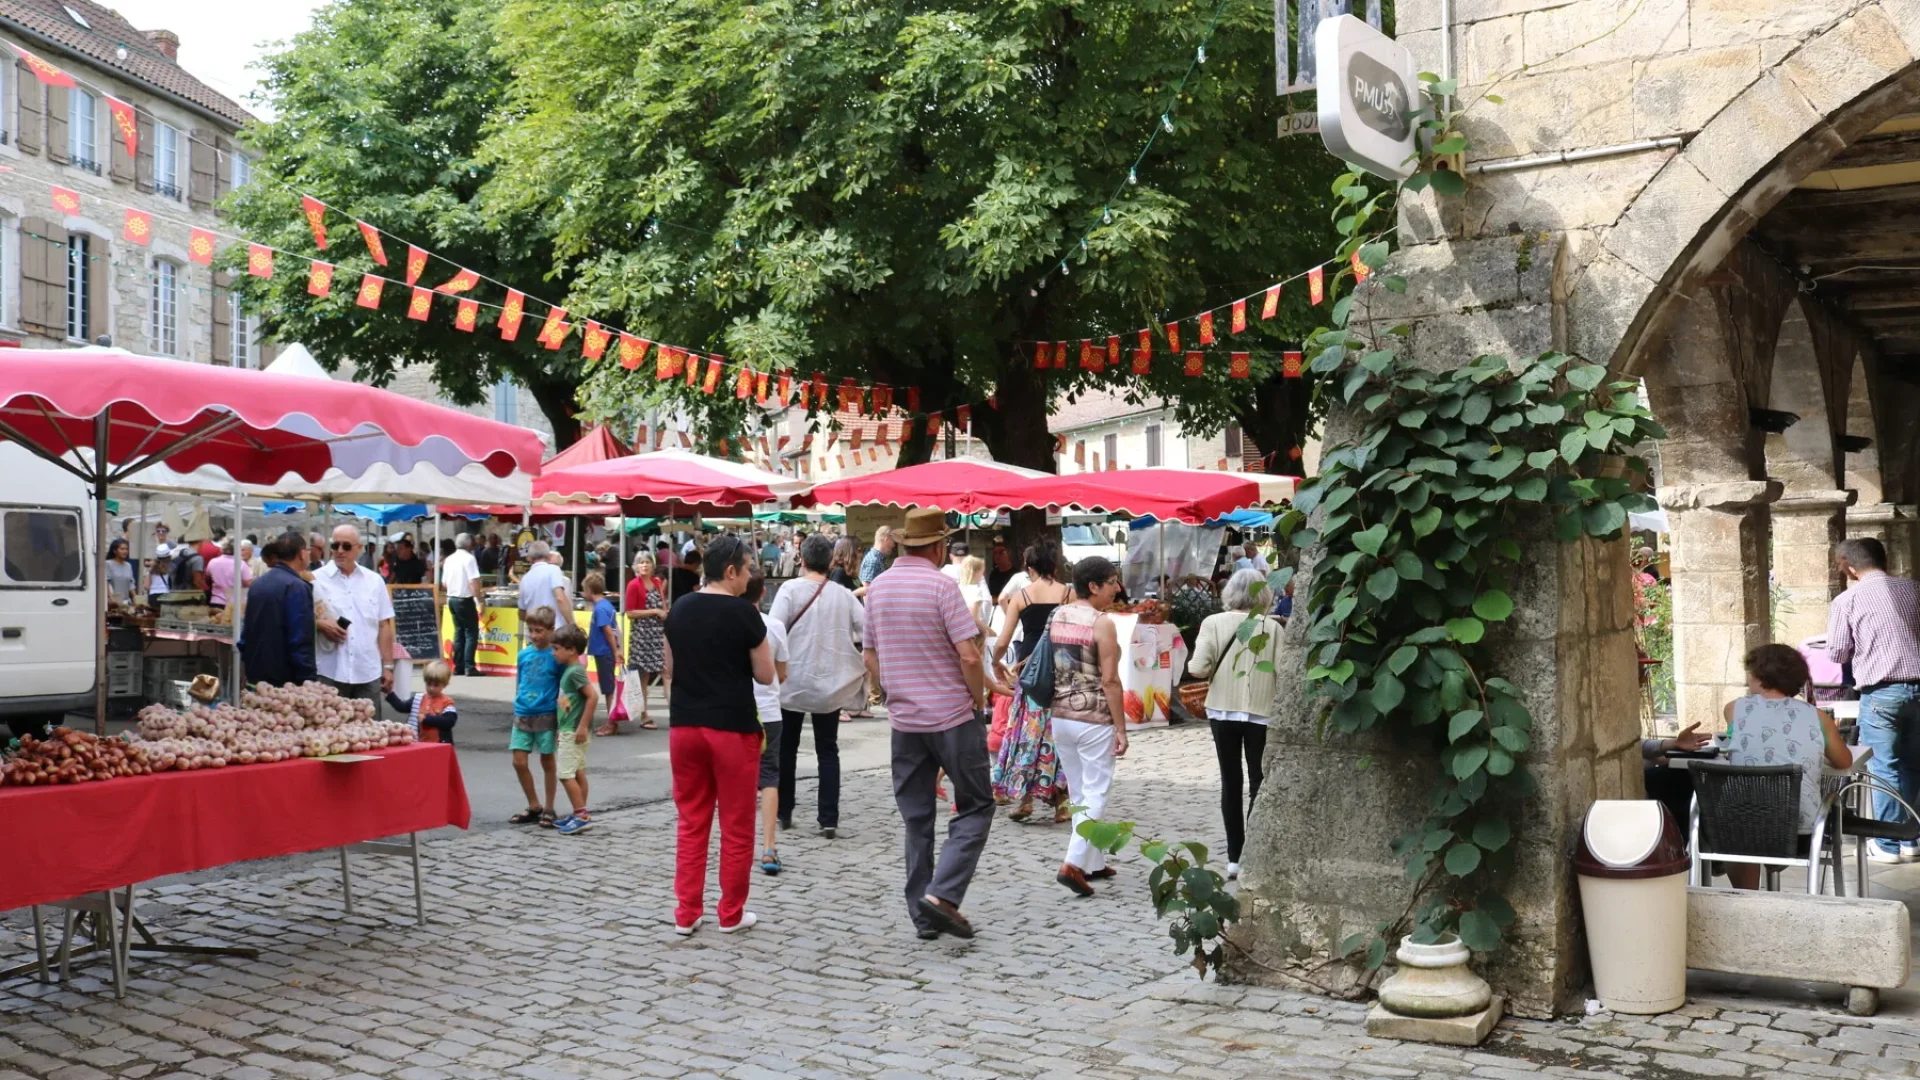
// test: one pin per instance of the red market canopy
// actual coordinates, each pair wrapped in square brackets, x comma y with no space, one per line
[1190,495]
[953,485]
[596,445]
[667,483]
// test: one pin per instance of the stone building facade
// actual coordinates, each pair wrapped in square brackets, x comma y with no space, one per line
[72,278]
[1716,197]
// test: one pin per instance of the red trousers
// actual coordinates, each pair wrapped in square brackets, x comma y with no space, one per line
[712,769]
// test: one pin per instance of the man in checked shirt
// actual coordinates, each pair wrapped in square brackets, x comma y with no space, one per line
[1875,626]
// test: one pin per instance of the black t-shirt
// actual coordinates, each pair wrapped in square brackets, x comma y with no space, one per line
[997,580]
[411,571]
[842,578]
[683,581]
[713,637]
[488,560]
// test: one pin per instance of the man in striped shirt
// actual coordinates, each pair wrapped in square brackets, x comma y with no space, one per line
[923,650]
[1875,626]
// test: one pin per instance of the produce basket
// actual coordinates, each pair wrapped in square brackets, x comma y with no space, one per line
[1193,698]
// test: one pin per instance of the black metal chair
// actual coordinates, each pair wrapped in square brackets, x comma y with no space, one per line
[1751,814]
[1860,787]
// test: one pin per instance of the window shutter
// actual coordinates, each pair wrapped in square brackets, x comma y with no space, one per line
[43,277]
[200,158]
[143,168]
[222,320]
[58,101]
[99,284]
[119,162]
[30,109]
[222,166]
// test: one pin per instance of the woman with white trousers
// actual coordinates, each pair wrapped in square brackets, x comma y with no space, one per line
[1089,718]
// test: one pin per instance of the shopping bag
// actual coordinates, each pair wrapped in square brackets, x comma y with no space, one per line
[617,712]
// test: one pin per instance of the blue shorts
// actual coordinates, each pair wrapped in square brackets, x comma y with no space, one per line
[538,742]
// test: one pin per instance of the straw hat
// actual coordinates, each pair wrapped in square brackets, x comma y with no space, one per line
[925,526]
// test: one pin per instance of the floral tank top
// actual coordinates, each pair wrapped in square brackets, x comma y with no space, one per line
[1077,694]
[1781,731]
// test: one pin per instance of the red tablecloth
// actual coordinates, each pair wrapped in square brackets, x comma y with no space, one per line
[60,842]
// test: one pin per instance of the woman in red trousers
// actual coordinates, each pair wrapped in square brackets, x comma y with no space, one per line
[716,650]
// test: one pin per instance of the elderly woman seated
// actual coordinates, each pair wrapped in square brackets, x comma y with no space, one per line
[1770,726]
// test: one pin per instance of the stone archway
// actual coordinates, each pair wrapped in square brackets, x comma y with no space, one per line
[1810,515]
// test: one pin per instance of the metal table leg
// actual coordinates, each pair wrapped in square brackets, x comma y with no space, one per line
[419,893]
[40,945]
[346,880]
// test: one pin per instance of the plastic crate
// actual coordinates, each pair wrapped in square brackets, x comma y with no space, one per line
[123,683]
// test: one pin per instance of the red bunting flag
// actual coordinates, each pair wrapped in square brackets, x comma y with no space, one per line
[66,200]
[664,366]
[559,336]
[859,434]
[458,283]
[594,345]
[743,385]
[1041,355]
[1113,350]
[712,380]
[1240,365]
[1294,453]
[882,399]
[416,262]
[467,315]
[1059,355]
[370,287]
[760,391]
[138,228]
[372,237]
[1086,354]
[1316,286]
[1360,269]
[819,390]
[691,361]
[851,397]
[1173,337]
[1206,328]
[260,260]
[1239,322]
[45,72]
[315,212]
[913,399]
[124,123]
[556,318]
[319,278]
[1143,354]
[200,245]
[933,424]
[963,416]
[632,351]
[785,392]
[420,304]
[1290,364]
[1271,305]
[510,315]
[1196,363]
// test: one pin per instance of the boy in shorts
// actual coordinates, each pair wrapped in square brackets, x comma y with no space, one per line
[578,700]
[535,700]
[767,700]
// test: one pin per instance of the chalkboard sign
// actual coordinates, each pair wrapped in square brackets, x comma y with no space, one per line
[416,620]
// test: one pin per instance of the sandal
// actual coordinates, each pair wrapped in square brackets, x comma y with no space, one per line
[648,725]
[605,731]
[1062,814]
[529,816]
[546,819]
[1025,811]
[770,862]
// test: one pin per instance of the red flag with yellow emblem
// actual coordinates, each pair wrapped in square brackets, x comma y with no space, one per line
[1316,285]
[1196,362]
[1239,322]
[1206,328]
[467,315]
[45,72]
[420,304]
[200,245]
[1143,354]
[138,228]
[66,200]
[1173,337]
[372,237]
[1042,356]
[260,260]
[319,278]
[510,315]
[760,389]
[315,212]
[416,263]
[1360,269]
[458,283]
[1113,350]
[556,318]
[712,380]
[1240,365]
[370,289]
[124,125]
[1290,364]
[692,363]
[785,391]
[743,384]
[632,351]
[594,344]
[1271,305]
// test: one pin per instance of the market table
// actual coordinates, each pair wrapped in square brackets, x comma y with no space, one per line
[79,840]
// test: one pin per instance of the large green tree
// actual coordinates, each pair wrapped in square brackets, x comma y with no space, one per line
[898,192]
[379,110]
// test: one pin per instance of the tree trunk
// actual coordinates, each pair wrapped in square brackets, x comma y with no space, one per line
[556,397]
[1016,434]
[1277,421]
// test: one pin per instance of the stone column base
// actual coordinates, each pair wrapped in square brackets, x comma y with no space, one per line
[1450,1031]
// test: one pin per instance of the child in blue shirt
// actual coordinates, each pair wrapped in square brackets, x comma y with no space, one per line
[603,642]
[536,700]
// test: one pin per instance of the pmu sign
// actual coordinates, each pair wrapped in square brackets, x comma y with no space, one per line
[1367,97]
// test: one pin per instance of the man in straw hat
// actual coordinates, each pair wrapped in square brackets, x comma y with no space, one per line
[922,647]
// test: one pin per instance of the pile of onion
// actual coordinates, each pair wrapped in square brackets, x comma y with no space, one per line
[71,757]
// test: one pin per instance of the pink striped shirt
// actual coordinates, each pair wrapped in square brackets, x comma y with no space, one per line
[915,618]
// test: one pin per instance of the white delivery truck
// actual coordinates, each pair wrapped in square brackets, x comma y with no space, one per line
[48,594]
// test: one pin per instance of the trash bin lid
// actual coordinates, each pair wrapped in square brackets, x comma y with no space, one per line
[1630,838]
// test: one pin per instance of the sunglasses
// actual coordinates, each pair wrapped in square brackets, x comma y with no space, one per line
[343,545]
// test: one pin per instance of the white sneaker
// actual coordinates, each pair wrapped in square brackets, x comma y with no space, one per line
[747,919]
[1876,853]
[687,931]
[1233,871]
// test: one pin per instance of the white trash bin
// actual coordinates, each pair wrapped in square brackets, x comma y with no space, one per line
[1632,865]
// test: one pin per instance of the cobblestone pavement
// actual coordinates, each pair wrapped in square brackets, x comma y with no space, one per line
[554,957]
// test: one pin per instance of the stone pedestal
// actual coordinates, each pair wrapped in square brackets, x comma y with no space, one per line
[1318,866]
[1719,534]
[1894,525]
[1806,525]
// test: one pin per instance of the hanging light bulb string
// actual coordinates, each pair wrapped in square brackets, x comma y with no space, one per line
[1163,126]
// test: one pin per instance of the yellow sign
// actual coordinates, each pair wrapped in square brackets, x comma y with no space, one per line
[500,643]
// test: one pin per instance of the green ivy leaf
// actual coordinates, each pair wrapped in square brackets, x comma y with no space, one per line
[1426,521]
[1492,833]
[1370,540]
[1409,566]
[1493,605]
[1499,762]
[1413,418]
[1532,489]
[1341,672]
[1384,583]
[1343,607]
[1479,932]
[1497,908]
[1573,444]
[1402,658]
[1475,411]
[1546,413]
[1604,518]
[1374,255]
[1388,692]
[1566,526]
[1376,953]
[1446,182]
[1513,739]
[1154,850]
[1586,377]
[1466,631]
[1540,459]
[1394,283]
[1340,309]
[1462,723]
[1377,361]
[1462,859]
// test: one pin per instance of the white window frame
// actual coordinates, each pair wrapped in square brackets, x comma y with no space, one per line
[90,130]
[80,269]
[240,168]
[506,401]
[163,308]
[243,342]
[1153,446]
[167,141]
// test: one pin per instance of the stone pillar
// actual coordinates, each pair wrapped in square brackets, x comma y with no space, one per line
[1318,865]
[1893,524]
[1806,525]
[1719,537]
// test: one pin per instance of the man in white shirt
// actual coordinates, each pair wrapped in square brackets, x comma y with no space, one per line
[544,586]
[460,576]
[355,655]
[956,554]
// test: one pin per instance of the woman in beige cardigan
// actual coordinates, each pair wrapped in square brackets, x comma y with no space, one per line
[1240,699]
